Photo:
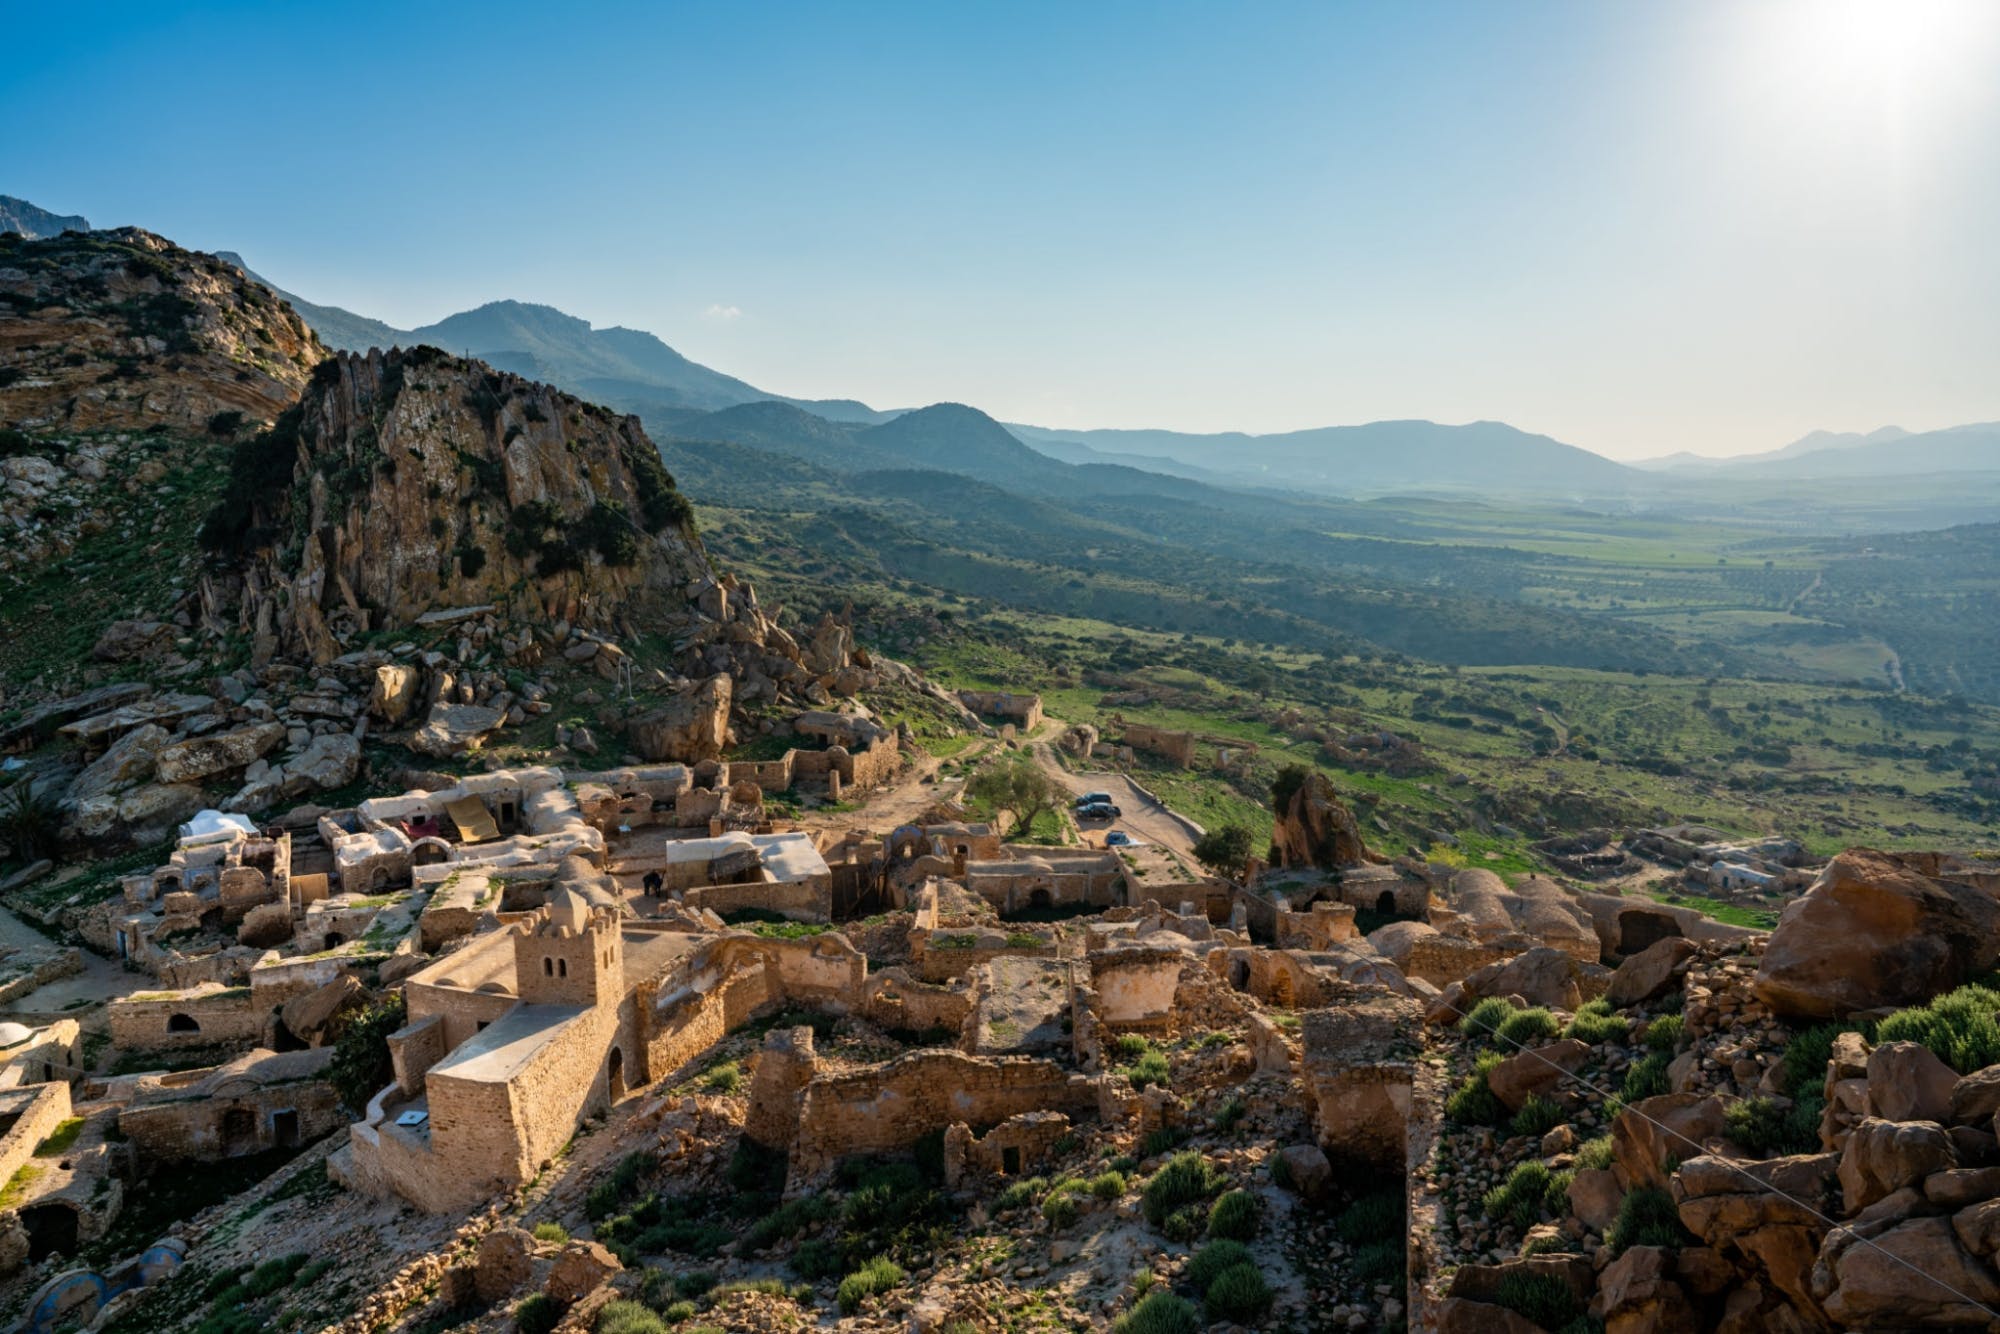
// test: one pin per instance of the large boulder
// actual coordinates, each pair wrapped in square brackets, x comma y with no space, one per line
[1670,1128]
[1637,1294]
[1315,828]
[1540,976]
[329,761]
[203,757]
[455,729]
[393,692]
[307,1015]
[1767,1214]
[1976,1098]
[1876,930]
[1529,1073]
[1912,1275]
[1651,972]
[124,641]
[1906,1082]
[1882,1157]
[693,726]
[131,759]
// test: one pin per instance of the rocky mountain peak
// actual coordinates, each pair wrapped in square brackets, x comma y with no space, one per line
[411,481]
[121,330]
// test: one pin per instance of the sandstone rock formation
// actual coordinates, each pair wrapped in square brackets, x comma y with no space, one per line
[692,727]
[124,330]
[1877,929]
[1315,828]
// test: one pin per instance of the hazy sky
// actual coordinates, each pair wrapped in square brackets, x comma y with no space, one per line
[1637,227]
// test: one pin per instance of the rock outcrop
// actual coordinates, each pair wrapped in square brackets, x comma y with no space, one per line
[122,330]
[1877,929]
[1315,828]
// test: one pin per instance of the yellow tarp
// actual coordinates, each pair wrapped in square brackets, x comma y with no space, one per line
[474,821]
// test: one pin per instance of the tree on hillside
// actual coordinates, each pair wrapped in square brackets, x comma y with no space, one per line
[361,1065]
[1225,851]
[1020,789]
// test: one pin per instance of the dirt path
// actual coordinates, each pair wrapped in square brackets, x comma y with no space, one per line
[1143,817]
[101,980]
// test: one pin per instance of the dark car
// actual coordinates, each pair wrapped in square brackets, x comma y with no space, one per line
[1098,810]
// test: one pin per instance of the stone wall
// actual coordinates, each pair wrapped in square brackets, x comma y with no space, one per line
[1135,984]
[1441,960]
[155,1021]
[245,1121]
[37,1111]
[1359,1066]
[807,900]
[888,1109]
[1024,711]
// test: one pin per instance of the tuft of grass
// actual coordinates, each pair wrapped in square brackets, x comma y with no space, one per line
[878,1276]
[61,1138]
[1595,1023]
[1484,1018]
[1958,1027]
[1664,1033]
[1647,1079]
[1543,1298]
[1537,1117]
[1371,1218]
[629,1317]
[1646,1217]
[537,1314]
[1109,1185]
[1234,1215]
[1159,1312]
[1767,1130]
[1474,1103]
[1526,1028]
[1519,1200]
[554,1232]
[724,1078]
[1595,1155]
[1212,1259]
[1239,1294]
[1187,1178]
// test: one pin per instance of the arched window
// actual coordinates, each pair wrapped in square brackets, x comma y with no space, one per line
[548,967]
[182,1023]
[562,967]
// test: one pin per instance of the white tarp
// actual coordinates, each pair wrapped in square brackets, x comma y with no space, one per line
[215,827]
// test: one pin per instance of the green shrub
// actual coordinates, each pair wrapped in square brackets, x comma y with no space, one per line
[1520,1199]
[272,1275]
[874,1278]
[1021,1194]
[724,1078]
[1542,1298]
[1151,1068]
[1186,1223]
[554,1232]
[1164,1140]
[1212,1259]
[1526,1028]
[1131,1046]
[1239,1294]
[1108,1185]
[1371,1218]
[1060,1207]
[1230,1113]
[1647,1079]
[1537,1117]
[1234,1215]
[1958,1027]
[1474,1103]
[605,1197]
[1646,1217]
[537,1314]
[676,1312]
[1595,1023]
[1769,1131]
[1379,1262]
[1806,1056]
[1664,1033]
[625,1317]
[1158,1312]
[787,1220]
[1595,1154]
[1481,1021]
[1187,1178]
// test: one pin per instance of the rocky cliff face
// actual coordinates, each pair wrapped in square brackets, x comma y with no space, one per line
[122,330]
[412,481]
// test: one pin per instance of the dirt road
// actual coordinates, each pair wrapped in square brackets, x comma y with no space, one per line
[1143,817]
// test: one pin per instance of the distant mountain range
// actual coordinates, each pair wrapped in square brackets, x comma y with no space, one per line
[18,215]
[1889,451]
[634,371]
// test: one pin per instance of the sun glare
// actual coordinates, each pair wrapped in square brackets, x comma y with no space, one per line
[1848,48]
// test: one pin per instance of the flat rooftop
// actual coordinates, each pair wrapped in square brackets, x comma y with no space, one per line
[501,1050]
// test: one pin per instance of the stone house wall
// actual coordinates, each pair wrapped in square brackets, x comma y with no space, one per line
[809,900]
[1441,960]
[243,1122]
[156,1022]
[36,1112]
[888,1109]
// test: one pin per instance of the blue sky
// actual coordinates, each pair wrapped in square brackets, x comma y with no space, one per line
[1639,228]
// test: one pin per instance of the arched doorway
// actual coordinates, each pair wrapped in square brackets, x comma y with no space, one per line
[1040,898]
[334,939]
[239,1130]
[1239,974]
[182,1023]
[52,1230]
[616,1078]
[1385,902]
